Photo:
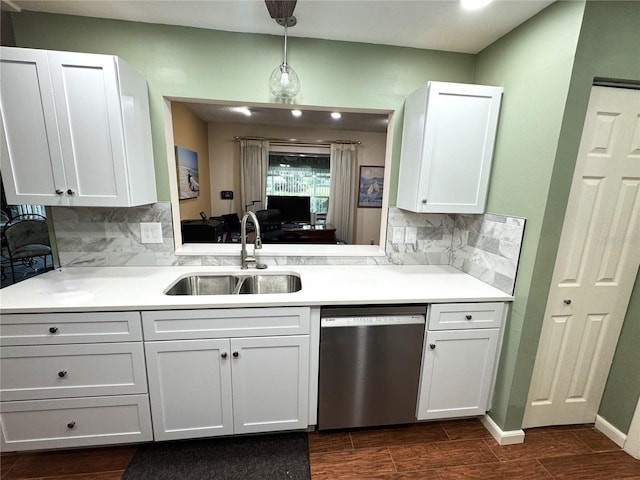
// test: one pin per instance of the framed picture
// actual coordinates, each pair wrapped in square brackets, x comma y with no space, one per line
[188,180]
[370,187]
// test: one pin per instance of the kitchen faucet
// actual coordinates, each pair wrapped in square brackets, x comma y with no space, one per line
[245,258]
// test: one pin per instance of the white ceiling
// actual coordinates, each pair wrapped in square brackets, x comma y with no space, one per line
[426,24]
[280,115]
[429,24]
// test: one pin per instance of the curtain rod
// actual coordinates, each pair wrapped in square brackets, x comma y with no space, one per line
[298,141]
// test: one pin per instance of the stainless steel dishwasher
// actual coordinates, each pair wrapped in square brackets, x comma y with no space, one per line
[369,365]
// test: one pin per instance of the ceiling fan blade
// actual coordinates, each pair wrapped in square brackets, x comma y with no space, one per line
[280,8]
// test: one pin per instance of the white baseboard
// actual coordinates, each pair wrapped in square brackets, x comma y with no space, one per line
[510,437]
[611,432]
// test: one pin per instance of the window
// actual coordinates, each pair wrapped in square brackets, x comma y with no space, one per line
[299,173]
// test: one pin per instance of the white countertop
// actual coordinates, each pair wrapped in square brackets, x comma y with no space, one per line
[141,288]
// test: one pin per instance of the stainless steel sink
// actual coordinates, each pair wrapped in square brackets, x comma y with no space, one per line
[203,285]
[270,283]
[235,284]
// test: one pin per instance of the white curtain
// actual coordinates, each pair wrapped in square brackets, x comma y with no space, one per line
[254,158]
[342,191]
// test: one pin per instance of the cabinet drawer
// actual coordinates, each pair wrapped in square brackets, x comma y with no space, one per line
[457,316]
[75,422]
[57,371]
[220,323]
[59,328]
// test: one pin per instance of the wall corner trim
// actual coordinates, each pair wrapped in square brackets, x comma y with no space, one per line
[510,437]
[609,431]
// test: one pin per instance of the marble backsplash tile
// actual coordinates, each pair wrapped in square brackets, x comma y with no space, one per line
[99,236]
[485,246]
[488,247]
[419,239]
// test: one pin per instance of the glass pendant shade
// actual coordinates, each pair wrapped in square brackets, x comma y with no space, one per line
[284,82]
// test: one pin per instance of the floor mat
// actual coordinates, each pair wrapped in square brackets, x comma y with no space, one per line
[254,457]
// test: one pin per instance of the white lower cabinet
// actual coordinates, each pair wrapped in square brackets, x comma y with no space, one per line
[72,380]
[459,359]
[270,383]
[190,385]
[458,368]
[204,387]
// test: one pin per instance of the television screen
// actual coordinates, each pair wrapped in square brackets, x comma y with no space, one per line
[293,209]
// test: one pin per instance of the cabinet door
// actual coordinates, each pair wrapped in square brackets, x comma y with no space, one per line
[87,100]
[190,388]
[32,168]
[270,383]
[457,373]
[447,148]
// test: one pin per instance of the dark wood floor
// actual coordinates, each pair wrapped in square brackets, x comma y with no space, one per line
[460,449]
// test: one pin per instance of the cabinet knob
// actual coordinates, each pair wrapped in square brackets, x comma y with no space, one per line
[62,373]
[424,201]
[567,301]
[223,354]
[71,424]
[53,329]
[70,192]
[236,354]
[468,317]
[432,346]
[59,192]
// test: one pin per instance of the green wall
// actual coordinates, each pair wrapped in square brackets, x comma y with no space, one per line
[548,66]
[198,63]
[533,63]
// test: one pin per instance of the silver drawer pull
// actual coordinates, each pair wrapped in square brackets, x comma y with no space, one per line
[71,424]
[468,317]
[53,329]
[62,373]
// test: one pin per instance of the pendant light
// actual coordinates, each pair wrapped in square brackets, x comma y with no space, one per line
[283,82]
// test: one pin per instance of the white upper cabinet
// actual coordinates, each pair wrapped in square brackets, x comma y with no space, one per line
[75,130]
[447,147]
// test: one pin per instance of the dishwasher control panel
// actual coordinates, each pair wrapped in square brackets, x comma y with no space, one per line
[370,321]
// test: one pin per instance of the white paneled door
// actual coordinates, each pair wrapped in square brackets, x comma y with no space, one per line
[595,268]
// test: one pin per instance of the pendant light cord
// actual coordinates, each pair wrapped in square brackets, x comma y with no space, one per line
[285,44]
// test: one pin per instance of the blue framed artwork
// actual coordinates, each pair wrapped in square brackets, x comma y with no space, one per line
[187,169]
[370,186]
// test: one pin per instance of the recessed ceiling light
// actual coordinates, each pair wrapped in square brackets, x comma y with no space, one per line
[336,115]
[296,113]
[243,110]
[474,4]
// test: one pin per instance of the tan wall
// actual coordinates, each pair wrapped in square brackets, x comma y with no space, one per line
[225,166]
[191,132]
